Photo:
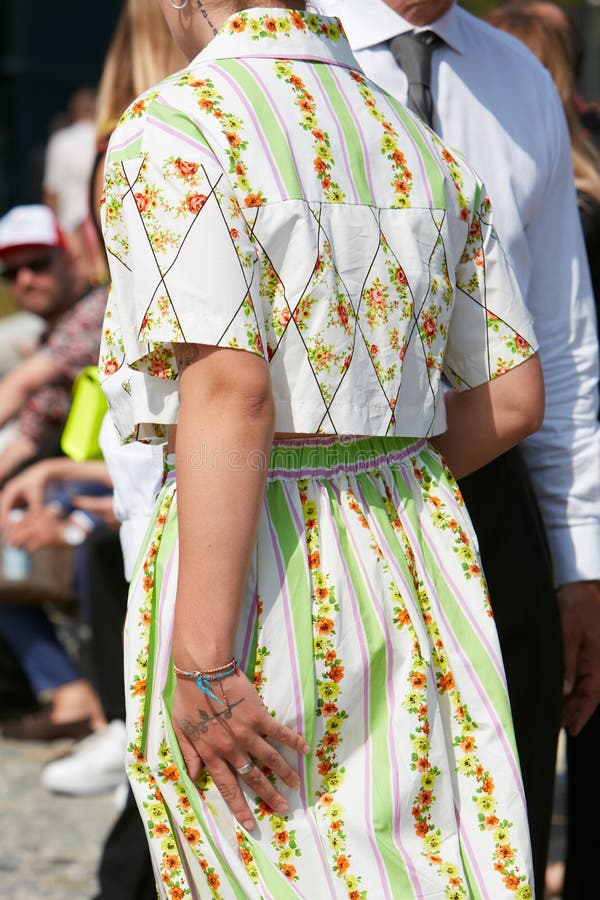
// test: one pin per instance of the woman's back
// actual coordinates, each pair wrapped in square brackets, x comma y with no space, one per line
[268,156]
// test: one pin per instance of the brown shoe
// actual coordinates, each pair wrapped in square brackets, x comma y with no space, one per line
[39,727]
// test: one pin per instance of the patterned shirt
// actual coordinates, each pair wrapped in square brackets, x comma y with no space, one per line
[271,198]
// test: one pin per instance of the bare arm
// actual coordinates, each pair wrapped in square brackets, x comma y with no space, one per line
[490,419]
[226,418]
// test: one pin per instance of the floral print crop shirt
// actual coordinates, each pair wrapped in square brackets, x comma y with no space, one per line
[270,198]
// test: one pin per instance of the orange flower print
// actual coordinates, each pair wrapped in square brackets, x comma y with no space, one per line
[195,202]
[418,680]
[511,882]
[148,583]
[322,593]
[491,822]
[314,560]
[324,626]
[421,829]
[288,870]
[192,835]
[505,852]
[171,773]
[139,687]
[297,21]
[138,108]
[336,673]
[171,863]
[402,617]
[186,169]
[281,838]
[330,656]
[329,709]
[342,863]
[265,809]
[468,744]
[326,799]
[253,200]
[176,893]
[110,366]
[354,895]
[271,25]
[423,764]
[142,201]
[446,682]
[488,785]
[447,156]
[233,139]
[237,24]
[425,797]
[324,767]
[214,880]
[203,865]
[246,856]
[160,830]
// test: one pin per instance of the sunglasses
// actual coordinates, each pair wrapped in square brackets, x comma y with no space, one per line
[36,266]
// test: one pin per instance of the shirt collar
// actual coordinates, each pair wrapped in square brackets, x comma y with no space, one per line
[384,23]
[277,33]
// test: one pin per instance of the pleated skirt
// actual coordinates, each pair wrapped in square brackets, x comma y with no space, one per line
[366,625]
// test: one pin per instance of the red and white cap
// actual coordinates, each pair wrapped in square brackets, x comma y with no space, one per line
[29,226]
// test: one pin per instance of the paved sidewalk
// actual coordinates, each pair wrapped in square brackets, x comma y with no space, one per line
[49,844]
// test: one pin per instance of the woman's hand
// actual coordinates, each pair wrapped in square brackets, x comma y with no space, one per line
[226,737]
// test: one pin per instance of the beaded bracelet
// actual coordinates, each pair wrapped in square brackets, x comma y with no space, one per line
[204,678]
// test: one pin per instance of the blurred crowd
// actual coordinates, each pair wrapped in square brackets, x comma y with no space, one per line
[74,504]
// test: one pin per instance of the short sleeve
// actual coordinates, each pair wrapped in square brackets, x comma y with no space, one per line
[182,262]
[490,330]
[183,270]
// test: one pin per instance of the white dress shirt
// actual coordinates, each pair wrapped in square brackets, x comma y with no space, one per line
[497,104]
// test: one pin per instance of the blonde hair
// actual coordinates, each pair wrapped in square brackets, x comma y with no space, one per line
[142,53]
[550,47]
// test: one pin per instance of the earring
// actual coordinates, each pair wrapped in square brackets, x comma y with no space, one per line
[181,5]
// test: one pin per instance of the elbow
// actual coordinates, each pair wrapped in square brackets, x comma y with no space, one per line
[530,405]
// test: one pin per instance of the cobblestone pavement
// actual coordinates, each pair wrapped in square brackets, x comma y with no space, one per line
[49,844]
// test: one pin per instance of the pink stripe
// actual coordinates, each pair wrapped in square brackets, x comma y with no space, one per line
[418,153]
[351,106]
[126,142]
[182,136]
[342,139]
[275,109]
[367,742]
[464,837]
[391,694]
[261,136]
[491,650]
[297,693]
[468,668]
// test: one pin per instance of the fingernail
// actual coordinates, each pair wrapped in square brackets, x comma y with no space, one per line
[567,687]
[306,748]
[248,824]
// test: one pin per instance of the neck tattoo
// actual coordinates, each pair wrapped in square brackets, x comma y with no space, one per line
[200,6]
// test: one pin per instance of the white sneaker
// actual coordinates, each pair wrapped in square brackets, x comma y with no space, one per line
[94,765]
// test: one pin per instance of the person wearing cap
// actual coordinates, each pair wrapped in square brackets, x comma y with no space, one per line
[43,279]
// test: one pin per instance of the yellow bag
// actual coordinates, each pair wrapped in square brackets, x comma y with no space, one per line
[79,439]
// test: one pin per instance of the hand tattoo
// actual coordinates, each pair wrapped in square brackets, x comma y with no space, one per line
[205,14]
[192,730]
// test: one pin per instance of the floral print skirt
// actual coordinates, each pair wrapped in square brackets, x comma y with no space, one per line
[366,626]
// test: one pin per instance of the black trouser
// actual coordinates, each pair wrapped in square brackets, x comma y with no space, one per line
[516,564]
[584,797]
[125,871]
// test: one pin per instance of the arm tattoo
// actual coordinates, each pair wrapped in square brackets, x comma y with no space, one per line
[200,6]
[186,354]
[193,730]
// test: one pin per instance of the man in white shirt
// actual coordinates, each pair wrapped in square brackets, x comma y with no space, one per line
[493,101]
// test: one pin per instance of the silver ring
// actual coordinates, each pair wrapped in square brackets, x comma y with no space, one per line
[247,768]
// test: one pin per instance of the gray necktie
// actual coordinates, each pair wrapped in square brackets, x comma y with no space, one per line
[413,51]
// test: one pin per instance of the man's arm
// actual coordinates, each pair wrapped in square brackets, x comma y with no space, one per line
[564,456]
